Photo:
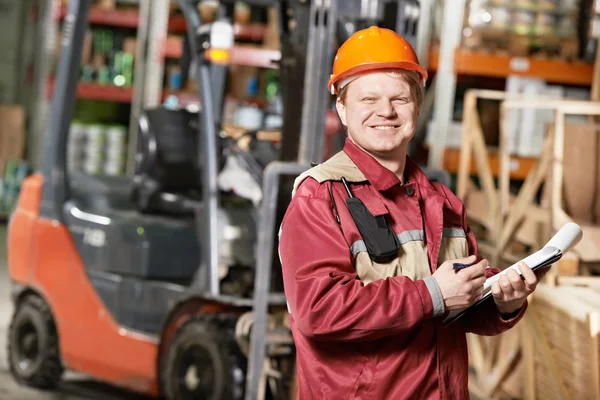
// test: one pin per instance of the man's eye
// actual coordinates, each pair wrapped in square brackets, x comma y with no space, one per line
[401,99]
[368,99]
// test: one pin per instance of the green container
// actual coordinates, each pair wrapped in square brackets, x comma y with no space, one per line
[14,174]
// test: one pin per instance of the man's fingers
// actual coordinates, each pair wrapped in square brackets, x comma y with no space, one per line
[467,260]
[515,280]
[496,290]
[479,292]
[478,282]
[505,284]
[473,272]
[529,276]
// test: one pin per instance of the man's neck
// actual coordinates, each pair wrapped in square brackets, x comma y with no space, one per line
[396,164]
[394,161]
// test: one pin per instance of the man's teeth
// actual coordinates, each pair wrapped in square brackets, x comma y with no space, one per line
[385,127]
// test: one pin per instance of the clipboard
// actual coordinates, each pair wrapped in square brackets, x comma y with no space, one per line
[544,257]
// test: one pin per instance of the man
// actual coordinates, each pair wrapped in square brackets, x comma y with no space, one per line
[364,326]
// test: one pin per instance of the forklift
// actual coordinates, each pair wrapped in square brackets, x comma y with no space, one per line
[162,283]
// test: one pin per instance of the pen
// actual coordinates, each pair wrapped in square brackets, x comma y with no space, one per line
[459,266]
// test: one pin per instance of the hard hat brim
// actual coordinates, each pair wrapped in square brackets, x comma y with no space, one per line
[362,68]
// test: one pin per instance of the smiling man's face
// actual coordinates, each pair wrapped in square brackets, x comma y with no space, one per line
[380,110]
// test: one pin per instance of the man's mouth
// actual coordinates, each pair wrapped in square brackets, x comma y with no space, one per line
[385,127]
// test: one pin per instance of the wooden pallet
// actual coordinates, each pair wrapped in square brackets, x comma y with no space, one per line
[522,45]
[560,342]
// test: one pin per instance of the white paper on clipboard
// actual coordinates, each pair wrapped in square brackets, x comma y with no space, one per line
[540,259]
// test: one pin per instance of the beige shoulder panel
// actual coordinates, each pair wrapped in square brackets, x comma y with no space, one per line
[338,166]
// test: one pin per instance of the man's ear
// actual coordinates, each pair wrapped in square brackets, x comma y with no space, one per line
[341,110]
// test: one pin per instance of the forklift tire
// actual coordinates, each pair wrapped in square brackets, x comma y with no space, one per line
[204,361]
[33,350]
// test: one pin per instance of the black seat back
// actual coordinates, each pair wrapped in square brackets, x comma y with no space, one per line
[167,160]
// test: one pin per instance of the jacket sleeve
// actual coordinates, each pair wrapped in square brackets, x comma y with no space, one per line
[325,298]
[485,319]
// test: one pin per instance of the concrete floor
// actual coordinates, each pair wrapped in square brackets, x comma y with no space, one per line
[74,386]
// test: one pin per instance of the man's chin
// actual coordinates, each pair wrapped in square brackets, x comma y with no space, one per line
[393,146]
[386,149]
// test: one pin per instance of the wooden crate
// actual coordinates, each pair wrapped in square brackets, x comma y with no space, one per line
[521,218]
[590,282]
[560,344]
[495,366]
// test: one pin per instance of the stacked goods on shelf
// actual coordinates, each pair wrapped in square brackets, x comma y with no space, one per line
[523,27]
[487,67]
[252,95]
[108,51]
[115,150]
[12,145]
[104,4]
[111,61]
[527,128]
[94,155]
[97,149]
[76,147]
[15,173]
[590,29]
[12,133]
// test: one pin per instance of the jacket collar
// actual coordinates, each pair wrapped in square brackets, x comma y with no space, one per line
[382,178]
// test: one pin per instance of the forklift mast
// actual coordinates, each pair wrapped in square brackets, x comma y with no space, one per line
[55,191]
[199,41]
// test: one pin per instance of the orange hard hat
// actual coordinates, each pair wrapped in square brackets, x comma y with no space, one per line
[374,49]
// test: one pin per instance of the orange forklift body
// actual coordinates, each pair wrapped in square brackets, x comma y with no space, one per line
[90,340]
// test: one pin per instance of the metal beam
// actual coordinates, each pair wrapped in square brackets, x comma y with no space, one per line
[323,17]
[424,31]
[137,102]
[44,49]
[445,87]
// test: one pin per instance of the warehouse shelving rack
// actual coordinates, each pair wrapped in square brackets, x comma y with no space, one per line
[156,26]
[450,61]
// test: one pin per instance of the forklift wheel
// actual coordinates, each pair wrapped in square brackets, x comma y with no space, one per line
[33,352]
[204,362]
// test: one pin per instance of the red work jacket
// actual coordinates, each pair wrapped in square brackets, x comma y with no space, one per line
[365,330]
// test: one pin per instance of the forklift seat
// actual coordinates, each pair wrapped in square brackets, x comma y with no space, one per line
[167,177]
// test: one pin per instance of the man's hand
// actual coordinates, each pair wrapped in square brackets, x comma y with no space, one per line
[511,291]
[462,288]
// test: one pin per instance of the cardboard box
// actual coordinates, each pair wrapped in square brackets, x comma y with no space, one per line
[526,127]
[12,134]
[579,156]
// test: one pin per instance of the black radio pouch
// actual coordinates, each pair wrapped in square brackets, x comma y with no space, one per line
[380,240]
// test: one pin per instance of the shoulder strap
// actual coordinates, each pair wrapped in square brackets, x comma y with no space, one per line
[338,166]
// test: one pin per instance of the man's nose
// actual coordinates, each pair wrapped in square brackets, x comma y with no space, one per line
[386,109]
